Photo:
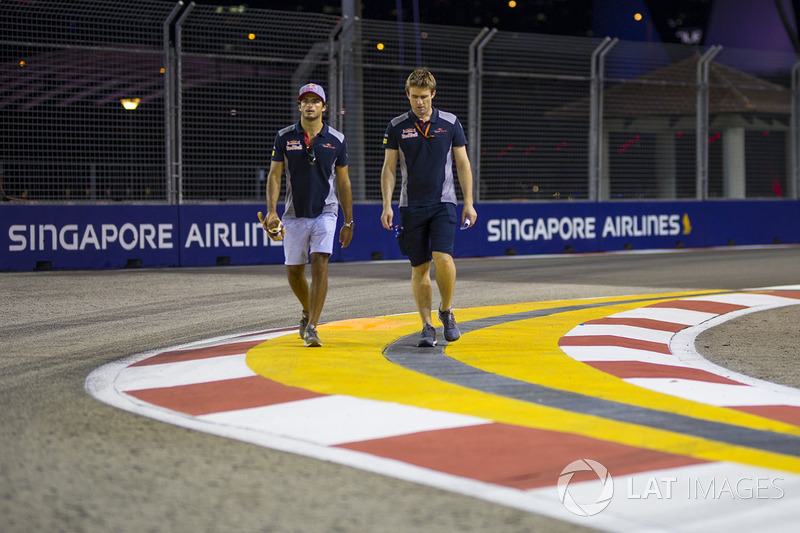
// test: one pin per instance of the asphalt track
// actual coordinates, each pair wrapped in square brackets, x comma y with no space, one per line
[72,463]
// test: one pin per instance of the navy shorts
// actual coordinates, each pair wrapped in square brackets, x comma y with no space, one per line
[427,229]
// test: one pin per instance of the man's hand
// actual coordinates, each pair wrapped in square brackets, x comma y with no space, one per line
[272,225]
[468,213]
[386,218]
[345,235]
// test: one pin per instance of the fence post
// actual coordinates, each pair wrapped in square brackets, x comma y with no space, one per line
[353,104]
[596,116]
[475,135]
[169,111]
[701,142]
[179,103]
[334,111]
[340,66]
[473,111]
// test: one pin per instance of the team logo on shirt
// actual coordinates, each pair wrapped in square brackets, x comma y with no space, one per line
[293,145]
[409,133]
[328,145]
[440,130]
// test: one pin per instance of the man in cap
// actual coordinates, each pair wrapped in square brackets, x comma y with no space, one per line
[314,156]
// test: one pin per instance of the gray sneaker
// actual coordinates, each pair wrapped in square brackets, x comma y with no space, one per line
[451,332]
[311,338]
[303,325]
[428,337]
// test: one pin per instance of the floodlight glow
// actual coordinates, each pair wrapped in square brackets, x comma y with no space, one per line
[130,103]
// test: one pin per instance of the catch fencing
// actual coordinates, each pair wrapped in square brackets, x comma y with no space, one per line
[153,101]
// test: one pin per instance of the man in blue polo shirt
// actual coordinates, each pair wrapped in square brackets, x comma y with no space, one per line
[427,141]
[314,156]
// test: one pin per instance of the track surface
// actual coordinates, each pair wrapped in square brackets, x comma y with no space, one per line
[72,463]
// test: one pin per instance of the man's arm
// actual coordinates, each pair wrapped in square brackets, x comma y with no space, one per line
[388,179]
[273,192]
[465,180]
[343,190]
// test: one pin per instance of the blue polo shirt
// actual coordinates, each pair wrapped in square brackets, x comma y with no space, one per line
[426,163]
[310,188]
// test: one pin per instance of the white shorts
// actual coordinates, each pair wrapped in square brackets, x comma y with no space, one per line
[303,234]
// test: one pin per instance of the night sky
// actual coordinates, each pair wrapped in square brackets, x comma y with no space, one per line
[732,23]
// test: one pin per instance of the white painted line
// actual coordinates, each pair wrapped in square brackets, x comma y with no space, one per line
[667,314]
[719,394]
[337,419]
[191,372]
[615,353]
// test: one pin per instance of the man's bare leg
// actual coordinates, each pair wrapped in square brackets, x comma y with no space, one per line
[319,286]
[421,286]
[445,278]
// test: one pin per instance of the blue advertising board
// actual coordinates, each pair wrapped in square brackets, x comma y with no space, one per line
[118,236]
[223,234]
[86,237]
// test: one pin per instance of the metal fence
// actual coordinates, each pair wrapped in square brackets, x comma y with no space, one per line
[157,101]
[65,67]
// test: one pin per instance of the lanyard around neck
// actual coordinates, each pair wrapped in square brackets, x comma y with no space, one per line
[427,128]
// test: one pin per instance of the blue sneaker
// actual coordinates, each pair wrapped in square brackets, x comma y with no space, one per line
[428,337]
[451,332]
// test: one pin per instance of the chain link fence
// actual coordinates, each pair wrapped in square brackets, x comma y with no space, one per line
[238,75]
[385,54]
[66,68]
[160,101]
[533,141]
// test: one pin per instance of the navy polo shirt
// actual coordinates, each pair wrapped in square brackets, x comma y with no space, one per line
[426,164]
[310,188]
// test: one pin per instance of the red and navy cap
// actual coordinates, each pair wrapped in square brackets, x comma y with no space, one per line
[311,88]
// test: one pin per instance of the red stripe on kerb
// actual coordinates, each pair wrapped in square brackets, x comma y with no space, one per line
[177,356]
[225,395]
[783,413]
[639,369]
[704,306]
[647,323]
[611,340]
[513,456]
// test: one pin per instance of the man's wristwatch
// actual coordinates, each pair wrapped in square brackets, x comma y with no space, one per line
[349,224]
